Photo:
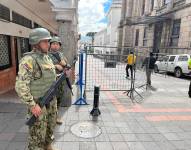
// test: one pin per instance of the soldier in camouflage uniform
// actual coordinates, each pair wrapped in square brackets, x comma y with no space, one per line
[36,75]
[60,62]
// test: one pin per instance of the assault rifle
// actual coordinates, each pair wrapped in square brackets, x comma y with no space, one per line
[48,97]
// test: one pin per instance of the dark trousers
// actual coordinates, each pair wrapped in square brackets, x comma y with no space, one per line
[127,70]
[148,74]
[189,91]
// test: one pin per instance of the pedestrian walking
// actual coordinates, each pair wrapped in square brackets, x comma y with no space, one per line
[131,60]
[149,64]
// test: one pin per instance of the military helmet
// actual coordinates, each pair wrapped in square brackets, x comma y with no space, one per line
[56,39]
[39,34]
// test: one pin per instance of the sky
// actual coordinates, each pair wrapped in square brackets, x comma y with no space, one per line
[92,15]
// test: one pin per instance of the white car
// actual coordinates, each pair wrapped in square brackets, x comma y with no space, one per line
[177,64]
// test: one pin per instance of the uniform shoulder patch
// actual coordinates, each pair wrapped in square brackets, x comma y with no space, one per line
[27,66]
[27,63]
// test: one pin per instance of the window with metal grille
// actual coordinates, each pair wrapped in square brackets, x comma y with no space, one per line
[24,45]
[175,33]
[19,19]
[4,13]
[5,52]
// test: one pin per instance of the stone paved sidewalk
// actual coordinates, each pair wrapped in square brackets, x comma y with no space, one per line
[161,121]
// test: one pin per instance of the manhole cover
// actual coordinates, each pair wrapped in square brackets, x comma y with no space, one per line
[86,130]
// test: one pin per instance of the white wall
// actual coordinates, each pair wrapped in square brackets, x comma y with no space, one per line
[100,40]
[111,32]
[114,16]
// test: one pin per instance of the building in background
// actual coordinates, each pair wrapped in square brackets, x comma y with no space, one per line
[100,40]
[18,18]
[113,16]
[155,25]
[109,36]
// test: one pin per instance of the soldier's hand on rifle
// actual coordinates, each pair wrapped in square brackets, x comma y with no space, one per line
[68,72]
[62,62]
[36,110]
[59,67]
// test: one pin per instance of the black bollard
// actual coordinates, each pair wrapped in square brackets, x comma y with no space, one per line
[95,111]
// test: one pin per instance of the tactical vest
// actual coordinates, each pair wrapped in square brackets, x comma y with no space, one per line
[39,86]
[57,58]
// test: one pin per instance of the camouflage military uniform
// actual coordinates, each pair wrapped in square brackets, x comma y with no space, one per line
[60,92]
[36,74]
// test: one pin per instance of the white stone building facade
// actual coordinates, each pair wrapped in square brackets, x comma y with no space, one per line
[156,25]
[109,36]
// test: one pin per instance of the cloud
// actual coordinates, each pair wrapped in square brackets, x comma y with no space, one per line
[91,15]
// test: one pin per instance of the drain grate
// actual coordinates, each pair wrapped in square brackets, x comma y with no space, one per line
[86,130]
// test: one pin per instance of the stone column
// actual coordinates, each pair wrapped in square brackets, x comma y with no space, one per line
[123,9]
[68,38]
[120,29]
[127,30]
[120,39]
[147,6]
[69,48]
[129,9]
[156,4]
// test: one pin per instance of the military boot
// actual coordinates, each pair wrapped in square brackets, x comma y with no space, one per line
[52,138]
[51,147]
[59,121]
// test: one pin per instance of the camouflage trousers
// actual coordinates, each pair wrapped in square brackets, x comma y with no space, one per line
[60,93]
[40,133]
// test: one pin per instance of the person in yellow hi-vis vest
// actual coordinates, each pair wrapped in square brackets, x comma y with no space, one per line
[189,67]
[131,59]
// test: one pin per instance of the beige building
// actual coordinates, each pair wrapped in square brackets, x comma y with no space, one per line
[156,25]
[100,40]
[109,35]
[18,18]
[113,16]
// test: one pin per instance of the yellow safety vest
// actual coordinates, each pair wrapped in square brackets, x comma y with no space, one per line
[130,59]
[189,63]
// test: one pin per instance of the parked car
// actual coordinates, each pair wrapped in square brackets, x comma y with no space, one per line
[177,64]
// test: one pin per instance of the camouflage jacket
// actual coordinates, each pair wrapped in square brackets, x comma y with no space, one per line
[29,72]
